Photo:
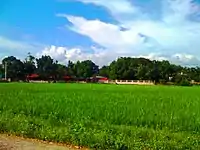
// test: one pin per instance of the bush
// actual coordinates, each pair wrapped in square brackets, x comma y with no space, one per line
[183,82]
[3,81]
[60,81]
[163,82]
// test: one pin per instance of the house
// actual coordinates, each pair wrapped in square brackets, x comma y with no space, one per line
[36,77]
[67,78]
[32,77]
[99,79]
[102,79]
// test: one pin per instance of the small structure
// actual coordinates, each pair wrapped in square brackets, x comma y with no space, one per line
[134,82]
[95,79]
[32,77]
[98,79]
[35,78]
[67,78]
[102,79]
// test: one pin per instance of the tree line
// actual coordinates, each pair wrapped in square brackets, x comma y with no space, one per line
[124,68]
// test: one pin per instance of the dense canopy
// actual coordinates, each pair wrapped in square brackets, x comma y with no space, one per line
[124,68]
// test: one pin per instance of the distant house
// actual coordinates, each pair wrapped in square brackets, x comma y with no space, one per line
[102,79]
[67,78]
[99,79]
[33,77]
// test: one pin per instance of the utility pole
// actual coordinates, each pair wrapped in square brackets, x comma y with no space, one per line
[5,70]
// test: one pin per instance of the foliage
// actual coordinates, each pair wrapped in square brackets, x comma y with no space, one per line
[182,81]
[85,69]
[15,68]
[124,68]
[45,67]
[103,116]
[185,83]
[104,71]
[1,71]
[3,81]
[29,65]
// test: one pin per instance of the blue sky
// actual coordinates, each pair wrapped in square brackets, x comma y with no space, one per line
[92,29]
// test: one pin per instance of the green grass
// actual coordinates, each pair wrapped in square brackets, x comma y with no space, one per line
[103,116]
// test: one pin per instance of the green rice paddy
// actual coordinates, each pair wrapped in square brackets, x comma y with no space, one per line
[103,116]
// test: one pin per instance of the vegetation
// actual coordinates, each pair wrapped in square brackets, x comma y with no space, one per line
[103,116]
[122,68]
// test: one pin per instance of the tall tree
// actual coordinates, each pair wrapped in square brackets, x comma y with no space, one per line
[46,67]
[104,71]
[29,64]
[86,69]
[71,68]
[60,71]
[15,68]
[125,68]
[1,71]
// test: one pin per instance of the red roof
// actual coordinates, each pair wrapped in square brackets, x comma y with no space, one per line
[100,78]
[33,76]
[67,77]
[103,79]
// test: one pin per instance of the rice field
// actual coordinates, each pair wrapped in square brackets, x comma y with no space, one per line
[103,116]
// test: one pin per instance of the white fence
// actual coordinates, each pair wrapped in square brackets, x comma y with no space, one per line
[37,81]
[134,82]
[126,82]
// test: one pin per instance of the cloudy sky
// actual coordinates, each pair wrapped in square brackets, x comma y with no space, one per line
[101,30]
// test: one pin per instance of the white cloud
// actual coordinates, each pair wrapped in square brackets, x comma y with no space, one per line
[185,59]
[64,54]
[177,31]
[10,44]
[17,48]
[179,59]
[89,28]
[104,57]
[116,7]
[178,11]
[174,36]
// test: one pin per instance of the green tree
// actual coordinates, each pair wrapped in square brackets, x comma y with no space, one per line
[104,71]
[71,69]
[29,65]
[85,69]
[1,71]
[46,67]
[15,68]
[125,68]
[61,71]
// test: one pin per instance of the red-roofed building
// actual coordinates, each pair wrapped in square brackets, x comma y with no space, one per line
[99,79]
[32,77]
[37,77]
[67,78]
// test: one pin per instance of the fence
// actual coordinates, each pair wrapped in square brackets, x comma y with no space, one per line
[133,82]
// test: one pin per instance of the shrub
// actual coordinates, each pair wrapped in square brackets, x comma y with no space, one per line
[183,82]
[3,81]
